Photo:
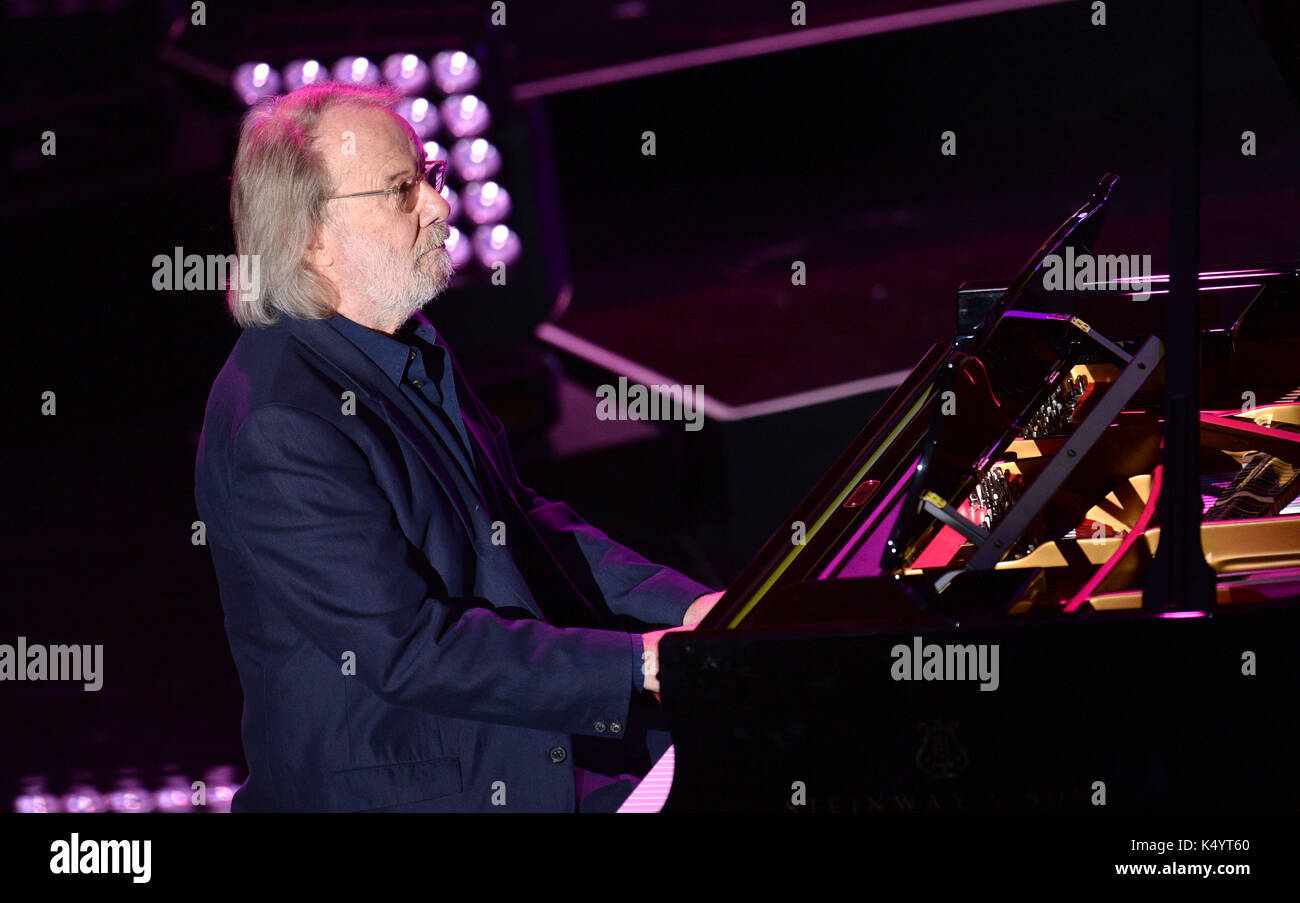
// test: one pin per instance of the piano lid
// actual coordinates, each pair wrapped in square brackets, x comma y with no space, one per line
[1026,291]
[887,450]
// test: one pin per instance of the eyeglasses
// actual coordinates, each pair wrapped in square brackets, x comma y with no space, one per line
[408,193]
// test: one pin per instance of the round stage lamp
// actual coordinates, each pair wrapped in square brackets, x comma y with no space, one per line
[33,797]
[486,202]
[304,72]
[475,159]
[356,70]
[255,81]
[220,787]
[422,115]
[458,247]
[493,244]
[127,795]
[174,795]
[406,72]
[454,71]
[465,115]
[83,798]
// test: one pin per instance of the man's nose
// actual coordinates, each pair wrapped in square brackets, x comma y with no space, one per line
[433,206]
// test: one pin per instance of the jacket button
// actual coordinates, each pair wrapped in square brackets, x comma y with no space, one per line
[558,754]
[615,727]
[600,727]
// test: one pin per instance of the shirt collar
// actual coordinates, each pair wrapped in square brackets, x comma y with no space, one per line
[422,329]
[391,353]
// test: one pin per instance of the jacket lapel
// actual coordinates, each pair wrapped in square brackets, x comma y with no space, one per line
[484,444]
[336,352]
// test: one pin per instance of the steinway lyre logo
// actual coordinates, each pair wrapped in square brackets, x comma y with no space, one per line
[941,754]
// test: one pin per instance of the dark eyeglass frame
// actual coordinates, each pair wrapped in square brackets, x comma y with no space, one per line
[405,191]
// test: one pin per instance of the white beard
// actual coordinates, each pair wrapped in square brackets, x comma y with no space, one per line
[396,287]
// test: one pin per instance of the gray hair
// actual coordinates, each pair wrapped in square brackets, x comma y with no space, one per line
[278,191]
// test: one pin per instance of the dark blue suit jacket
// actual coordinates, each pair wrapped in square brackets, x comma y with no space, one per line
[392,656]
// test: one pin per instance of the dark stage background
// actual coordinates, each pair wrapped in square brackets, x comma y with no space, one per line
[827,154]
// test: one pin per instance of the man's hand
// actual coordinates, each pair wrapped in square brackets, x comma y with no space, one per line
[699,608]
[650,641]
[650,656]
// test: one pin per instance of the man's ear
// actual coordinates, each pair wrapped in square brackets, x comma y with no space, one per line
[318,257]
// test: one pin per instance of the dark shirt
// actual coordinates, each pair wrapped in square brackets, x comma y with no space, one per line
[417,364]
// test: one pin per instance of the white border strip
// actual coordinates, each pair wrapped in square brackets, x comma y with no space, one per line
[800,37]
[711,407]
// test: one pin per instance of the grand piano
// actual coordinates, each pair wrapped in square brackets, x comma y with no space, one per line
[953,619]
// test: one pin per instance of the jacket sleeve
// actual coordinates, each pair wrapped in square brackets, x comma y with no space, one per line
[631,584]
[325,545]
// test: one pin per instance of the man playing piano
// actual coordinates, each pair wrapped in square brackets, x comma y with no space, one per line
[394,652]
